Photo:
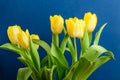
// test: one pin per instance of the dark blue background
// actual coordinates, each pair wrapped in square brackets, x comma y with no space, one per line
[34,15]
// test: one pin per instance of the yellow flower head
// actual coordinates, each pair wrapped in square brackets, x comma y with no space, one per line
[57,24]
[23,39]
[12,32]
[75,27]
[82,28]
[34,36]
[91,21]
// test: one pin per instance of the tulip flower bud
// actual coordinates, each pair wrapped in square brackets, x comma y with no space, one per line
[34,36]
[82,28]
[91,21]
[23,39]
[57,24]
[75,27]
[12,32]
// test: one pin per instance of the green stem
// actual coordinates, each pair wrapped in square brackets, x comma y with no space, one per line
[64,31]
[55,39]
[90,37]
[81,49]
[75,46]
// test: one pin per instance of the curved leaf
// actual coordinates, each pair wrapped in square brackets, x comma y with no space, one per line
[43,44]
[98,34]
[24,73]
[95,51]
[96,64]
[12,47]
[71,71]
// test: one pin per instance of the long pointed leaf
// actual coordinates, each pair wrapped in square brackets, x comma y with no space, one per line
[34,55]
[72,50]
[85,42]
[12,47]
[98,34]
[63,44]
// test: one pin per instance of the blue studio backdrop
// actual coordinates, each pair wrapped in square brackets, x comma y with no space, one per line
[34,15]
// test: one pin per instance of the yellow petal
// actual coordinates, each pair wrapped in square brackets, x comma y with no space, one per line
[91,21]
[82,28]
[23,39]
[57,24]
[74,27]
[27,32]
[12,32]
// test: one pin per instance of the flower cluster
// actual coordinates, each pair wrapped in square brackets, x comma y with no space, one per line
[19,37]
[55,63]
[75,26]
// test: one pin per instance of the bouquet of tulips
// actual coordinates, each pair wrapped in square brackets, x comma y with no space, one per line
[55,65]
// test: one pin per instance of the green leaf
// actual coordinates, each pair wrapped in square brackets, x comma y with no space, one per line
[47,48]
[81,68]
[24,73]
[22,60]
[44,61]
[59,60]
[85,42]
[98,34]
[12,47]
[34,55]
[45,75]
[95,51]
[53,73]
[90,61]
[95,65]
[56,53]
[48,73]
[61,69]
[44,45]
[72,51]
[63,44]
[71,71]
[86,68]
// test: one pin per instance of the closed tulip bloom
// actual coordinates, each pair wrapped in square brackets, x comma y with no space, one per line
[57,24]
[34,36]
[12,32]
[74,27]
[91,21]
[23,39]
[82,28]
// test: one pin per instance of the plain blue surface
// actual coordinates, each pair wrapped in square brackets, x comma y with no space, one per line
[34,15]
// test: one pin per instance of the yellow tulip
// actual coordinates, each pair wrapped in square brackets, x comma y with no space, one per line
[75,27]
[82,28]
[23,39]
[91,21]
[57,24]
[12,32]
[27,32]
[34,36]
